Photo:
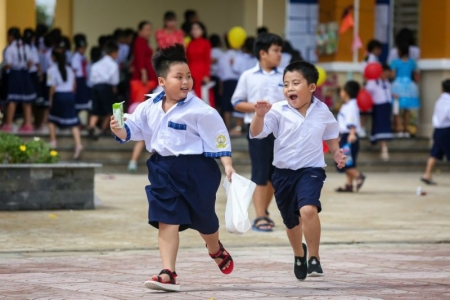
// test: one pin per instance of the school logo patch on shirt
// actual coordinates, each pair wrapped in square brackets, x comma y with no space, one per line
[221,141]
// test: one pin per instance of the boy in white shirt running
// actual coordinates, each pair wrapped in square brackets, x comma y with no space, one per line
[299,125]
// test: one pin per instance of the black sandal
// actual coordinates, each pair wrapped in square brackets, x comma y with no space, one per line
[360,181]
[347,189]
[257,227]
[428,181]
[171,286]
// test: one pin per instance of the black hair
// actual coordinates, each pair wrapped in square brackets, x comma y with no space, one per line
[262,29]
[189,13]
[129,31]
[102,40]
[403,50]
[248,45]
[385,67]
[118,33]
[164,58]
[61,62]
[169,16]
[215,41]
[80,40]
[28,35]
[405,35]
[446,86]
[55,36]
[41,30]
[373,44]
[14,32]
[296,55]
[264,41]
[305,68]
[351,88]
[65,43]
[142,24]
[287,47]
[96,54]
[202,26]
[111,47]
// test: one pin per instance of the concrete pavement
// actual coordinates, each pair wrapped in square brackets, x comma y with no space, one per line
[382,243]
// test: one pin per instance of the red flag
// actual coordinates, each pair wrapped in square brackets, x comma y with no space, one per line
[347,20]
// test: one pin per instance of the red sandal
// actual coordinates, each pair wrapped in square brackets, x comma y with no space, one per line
[158,284]
[225,259]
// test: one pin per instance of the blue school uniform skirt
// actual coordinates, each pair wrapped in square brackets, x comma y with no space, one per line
[63,112]
[182,191]
[34,76]
[381,122]
[407,91]
[103,98]
[82,95]
[228,89]
[42,100]
[20,87]
[3,87]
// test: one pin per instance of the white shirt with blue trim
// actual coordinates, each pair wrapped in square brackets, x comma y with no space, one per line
[105,71]
[256,84]
[17,54]
[380,90]
[55,79]
[225,66]
[298,139]
[77,64]
[441,115]
[348,117]
[189,127]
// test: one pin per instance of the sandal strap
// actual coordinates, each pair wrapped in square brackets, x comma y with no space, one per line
[262,219]
[172,275]
[225,260]
[219,253]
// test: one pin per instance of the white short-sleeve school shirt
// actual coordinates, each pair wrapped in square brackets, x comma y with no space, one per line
[34,58]
[55,79]
[226,62]
[380,90]
[255,85]
[298,138]
[244,62]
[17,55]
[189,127]
[105,71]
[441,115]
[216,54]
[77,62]
[348,117]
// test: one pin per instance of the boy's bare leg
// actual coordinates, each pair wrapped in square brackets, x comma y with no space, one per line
[261,199]
[212,243]
[105,122]
[429,169]
[295,236]
[52,131]
[10,112]
[168,242]
[27,114]
[311,229]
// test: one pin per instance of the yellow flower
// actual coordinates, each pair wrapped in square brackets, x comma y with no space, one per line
[22,148]
[53,153]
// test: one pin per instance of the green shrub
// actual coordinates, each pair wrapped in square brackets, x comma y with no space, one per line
[13,150]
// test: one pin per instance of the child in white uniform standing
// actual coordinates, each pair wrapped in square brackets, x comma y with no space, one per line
[185,136]
[79,66]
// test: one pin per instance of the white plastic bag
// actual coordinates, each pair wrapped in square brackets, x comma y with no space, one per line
[239,195]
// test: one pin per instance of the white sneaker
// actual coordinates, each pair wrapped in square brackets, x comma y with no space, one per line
[53,144]
[384,155]
[132,166]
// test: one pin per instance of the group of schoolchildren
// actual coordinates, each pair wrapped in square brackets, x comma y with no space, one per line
[52,85]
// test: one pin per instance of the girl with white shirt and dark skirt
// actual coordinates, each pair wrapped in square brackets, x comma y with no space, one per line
[79,64]
[35,69]
[20,88]
[441,135]
[61,80]
[380,89]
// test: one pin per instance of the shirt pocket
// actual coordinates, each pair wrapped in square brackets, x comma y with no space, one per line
[176,133]
[312,133]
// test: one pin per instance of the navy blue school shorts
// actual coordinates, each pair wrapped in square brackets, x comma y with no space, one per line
[354,149]
[261,156]
[182,191]
[295,189]
[441,143]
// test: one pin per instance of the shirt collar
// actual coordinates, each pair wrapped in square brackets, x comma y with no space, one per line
[158,97]
[258,69]
[313,103]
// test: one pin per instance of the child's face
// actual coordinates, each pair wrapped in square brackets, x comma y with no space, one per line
[272,57]
[297,90]
[344,96]
[178,81]
[196,31]
[114,55]
[386,74]
[377,51]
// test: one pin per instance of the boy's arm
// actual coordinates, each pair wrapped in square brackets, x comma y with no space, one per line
[227,163]
[240,97]
[262,124]
[338,154]
[132,129]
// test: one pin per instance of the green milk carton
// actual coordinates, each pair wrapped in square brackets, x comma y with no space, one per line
[118,113]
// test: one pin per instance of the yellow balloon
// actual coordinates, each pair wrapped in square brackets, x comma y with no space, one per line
[322,76]
[187,40]
[236,37]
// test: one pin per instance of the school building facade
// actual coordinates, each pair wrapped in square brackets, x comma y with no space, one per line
[430,19]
